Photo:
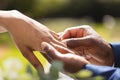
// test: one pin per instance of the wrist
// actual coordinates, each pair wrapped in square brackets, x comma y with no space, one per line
[6,18]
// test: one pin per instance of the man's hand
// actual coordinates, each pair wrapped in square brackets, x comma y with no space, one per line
[72,62]
[87,43]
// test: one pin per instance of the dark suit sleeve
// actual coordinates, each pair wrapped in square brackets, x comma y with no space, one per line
[116,51]
[110,73]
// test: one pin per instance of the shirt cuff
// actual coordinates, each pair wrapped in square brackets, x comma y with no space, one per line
[104,71]
[116,51]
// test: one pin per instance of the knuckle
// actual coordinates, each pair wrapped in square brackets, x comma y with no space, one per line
[91,40]
[84,27]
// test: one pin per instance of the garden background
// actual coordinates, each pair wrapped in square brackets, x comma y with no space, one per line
[57,15]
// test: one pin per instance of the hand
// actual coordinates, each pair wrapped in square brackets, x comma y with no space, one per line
[72,62]
[27,33]
[87,43]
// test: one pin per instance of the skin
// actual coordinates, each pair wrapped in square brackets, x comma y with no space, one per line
[72,63]
[27,34]
[79,46]
[84,46]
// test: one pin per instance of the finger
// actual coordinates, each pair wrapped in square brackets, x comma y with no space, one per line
[61,49]
[56,38]
[51,51]
[55,35]
[67,59]
[77,42]
[47,57]
[76,32]
[68,33]
[73,32]
[29,55]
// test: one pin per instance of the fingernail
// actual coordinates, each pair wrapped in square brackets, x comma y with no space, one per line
[45,47]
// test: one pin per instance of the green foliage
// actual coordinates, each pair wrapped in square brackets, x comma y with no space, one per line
[4,38]
[14,72]
[82,74]
[29,70]
[53,73]
[11,68]
[34,8]
[57,66]
[54,70]
[43,8]
[70,8]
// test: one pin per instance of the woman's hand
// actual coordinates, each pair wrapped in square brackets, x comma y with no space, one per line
[27,34]
[87,43]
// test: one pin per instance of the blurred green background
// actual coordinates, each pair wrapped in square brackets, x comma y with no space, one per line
[57,15]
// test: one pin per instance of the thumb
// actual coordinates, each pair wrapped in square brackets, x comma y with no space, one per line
[51,51]
[77,42]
